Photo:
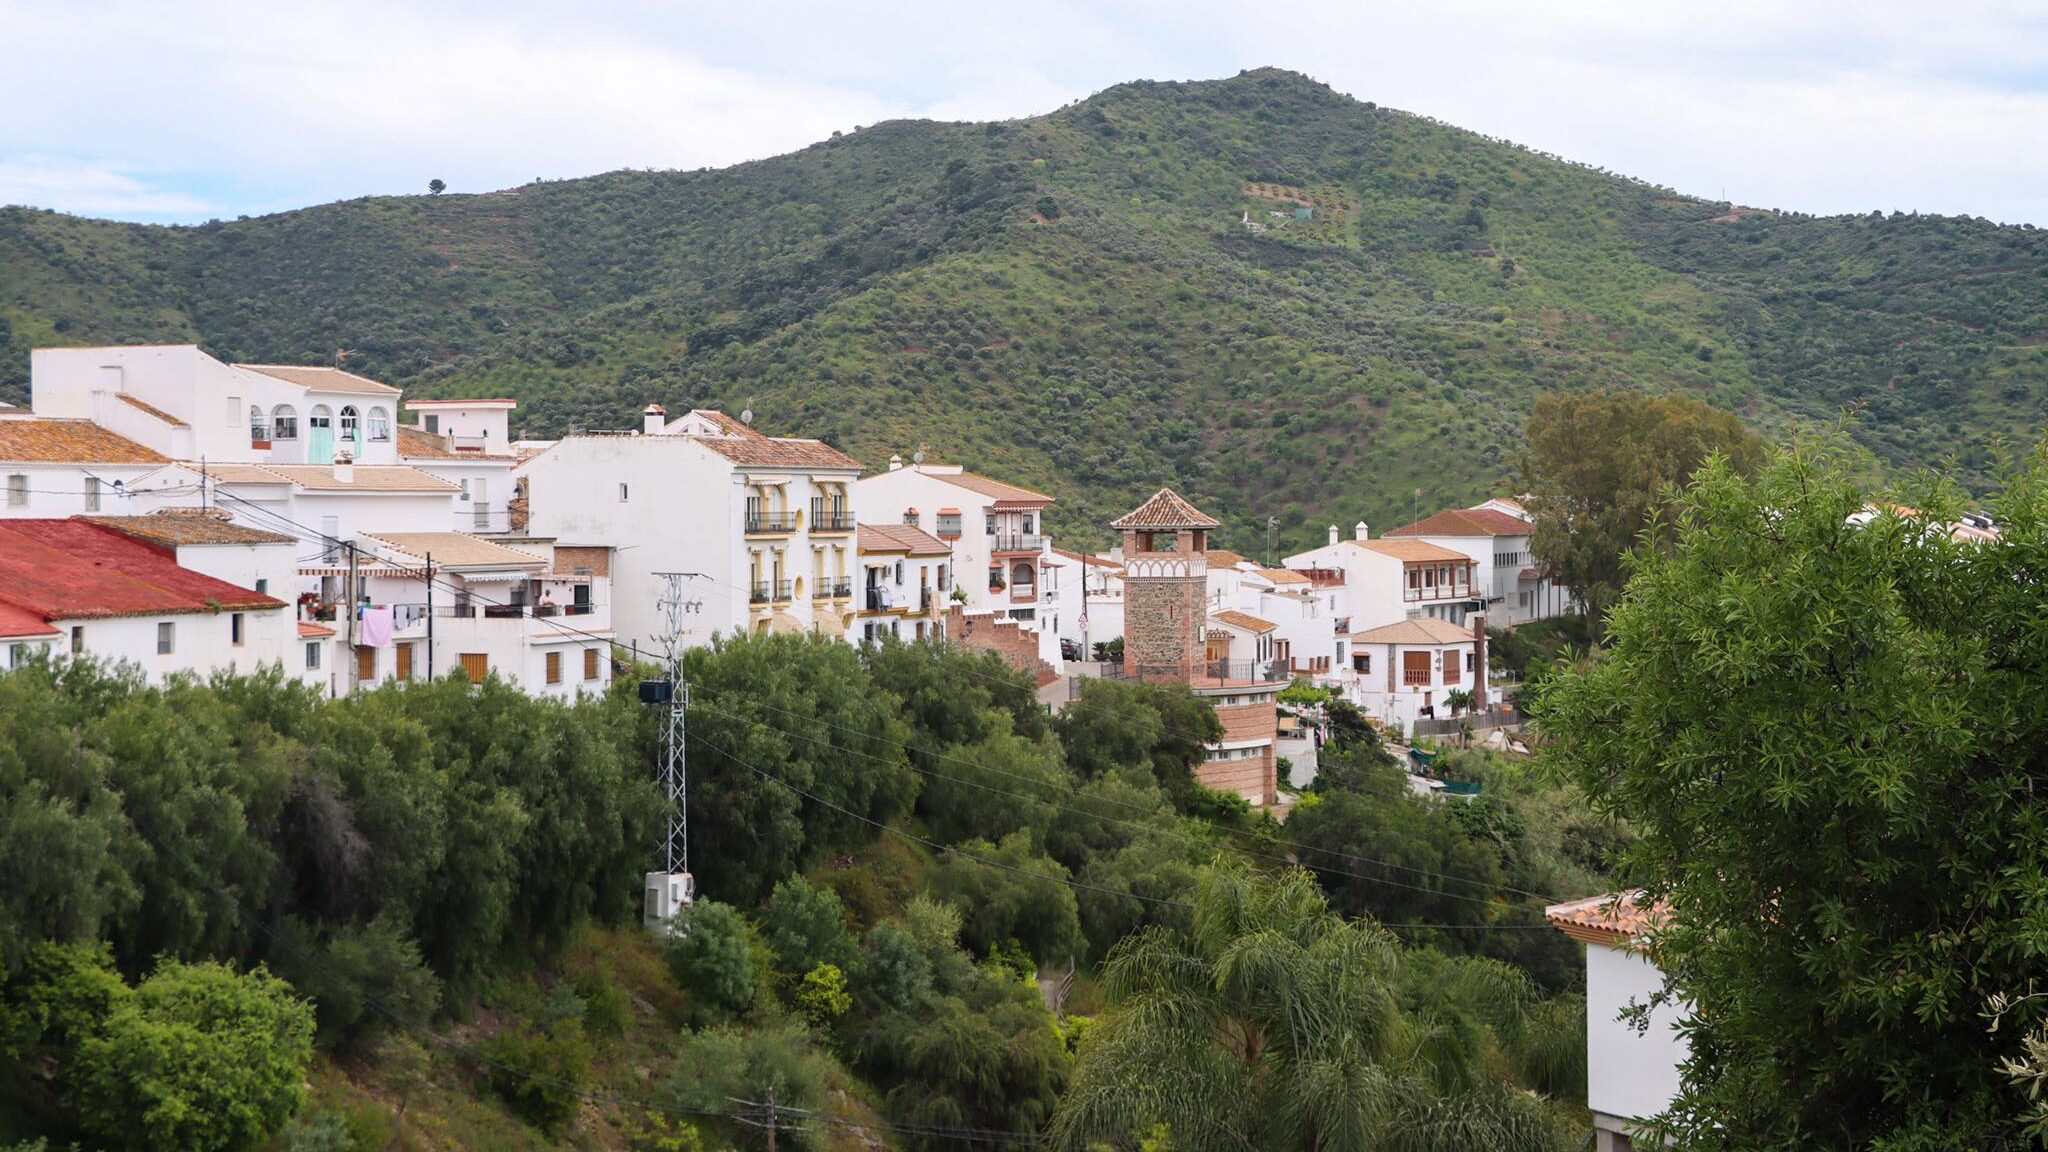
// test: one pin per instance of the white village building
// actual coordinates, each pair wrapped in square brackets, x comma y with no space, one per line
[1632,1074]
[1495,536]
[905,584]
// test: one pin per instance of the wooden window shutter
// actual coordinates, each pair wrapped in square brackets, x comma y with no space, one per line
[404,662]
[476,665]
[590,663]
[366,662]
[554,667]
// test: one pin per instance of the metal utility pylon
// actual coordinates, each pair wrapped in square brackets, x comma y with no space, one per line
[671,889]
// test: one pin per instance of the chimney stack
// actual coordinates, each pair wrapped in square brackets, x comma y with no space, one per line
[895,463]
[1358,531]
[344,467]
[653,419]
[1333,533]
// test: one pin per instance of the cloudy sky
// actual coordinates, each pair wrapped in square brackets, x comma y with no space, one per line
[180,111]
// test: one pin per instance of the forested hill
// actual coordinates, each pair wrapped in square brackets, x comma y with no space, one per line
[1074,301]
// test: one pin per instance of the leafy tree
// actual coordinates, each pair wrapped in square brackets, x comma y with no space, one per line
[1826,736]
[804,926]
[357,975]
[1024,898]
[1271,1023]
[1596,469]
[199,1057]
[1115,724]
[893,971]
[712,958]
[718,1066]
[823,996]
[436,186]
[539,1069]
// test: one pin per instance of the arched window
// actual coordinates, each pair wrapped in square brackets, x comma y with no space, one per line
[284,423]
[322,417]
[1020,573]
[349,422]
[380,424]
[259,429]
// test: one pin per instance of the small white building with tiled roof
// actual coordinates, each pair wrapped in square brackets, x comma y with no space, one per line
[1082,604]
[67,467]
[1405,671]
[905,584]
[1381,581]
[766,522]
[1632,1073]
[467,443]
[1495,536]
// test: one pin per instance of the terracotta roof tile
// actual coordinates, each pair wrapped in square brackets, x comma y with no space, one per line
[1284,576]
[1410,551]
[1223,558]
[320,477]
[892,538]
[152,410]
[321,379]
[1165,509]
[311,631]
[1611,920]
[1466,522]
[1244,620]
[416,444]
[759,451]
[69,569]
[1002,492]
[40,441]
[22,624]
[456,549]
[176,526]
[1419,630]
[1095,561]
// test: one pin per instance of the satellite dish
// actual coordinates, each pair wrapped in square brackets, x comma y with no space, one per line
[746,415]
[917,457]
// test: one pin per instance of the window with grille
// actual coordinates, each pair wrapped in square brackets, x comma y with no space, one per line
[166,638]
[17,490]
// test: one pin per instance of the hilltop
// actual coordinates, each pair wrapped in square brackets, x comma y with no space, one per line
[1076,301]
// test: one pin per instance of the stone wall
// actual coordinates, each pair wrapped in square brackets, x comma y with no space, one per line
[1255,779]
[1005,638]
[1163,622]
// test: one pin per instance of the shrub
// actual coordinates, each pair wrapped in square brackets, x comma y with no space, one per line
[540,1073]
[712,957]
[824,997]
[804,926]
[199,1058]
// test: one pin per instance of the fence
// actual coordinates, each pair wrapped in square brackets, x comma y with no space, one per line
[1501,717]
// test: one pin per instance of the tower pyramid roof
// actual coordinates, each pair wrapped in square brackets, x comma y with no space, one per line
[1165,509]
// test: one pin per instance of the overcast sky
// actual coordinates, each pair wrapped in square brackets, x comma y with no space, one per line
[170,111]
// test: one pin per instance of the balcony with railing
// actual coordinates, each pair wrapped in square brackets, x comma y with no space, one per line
[828,517]
[1016,542]
[758,592]
[480,516]
[1023,592]
[475,611]
[770,523]
[948,527]
[782,591]
[1204,673]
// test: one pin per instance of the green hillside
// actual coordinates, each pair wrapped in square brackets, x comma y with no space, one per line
[1075,302]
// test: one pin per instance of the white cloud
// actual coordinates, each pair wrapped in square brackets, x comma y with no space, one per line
[1821,106]
[93,187]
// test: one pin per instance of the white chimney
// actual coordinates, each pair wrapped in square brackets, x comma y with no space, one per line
[344,468]
[1358,531]
[895,463]
[652,419]
[1333,533]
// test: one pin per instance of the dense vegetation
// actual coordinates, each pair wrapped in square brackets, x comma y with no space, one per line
[423,900]
[1827,735]
[1070,300]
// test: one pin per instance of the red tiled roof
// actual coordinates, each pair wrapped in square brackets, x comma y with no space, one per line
[1165,509]
[175,526]
[1223,558]
[891,538]
[1410,551]
[418,444]
[1466,522]
[1004,493]
[42,441]
[1612,920]
[311,631]
[1244,620]
[71,569]
[21,624]
[322,379]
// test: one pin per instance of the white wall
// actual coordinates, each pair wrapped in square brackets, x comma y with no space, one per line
[681,512]
[202,642]
[1628,1075]
[487,492]
[59,490]
[487,423]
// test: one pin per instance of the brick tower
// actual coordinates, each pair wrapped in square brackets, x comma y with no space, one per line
[1166,586]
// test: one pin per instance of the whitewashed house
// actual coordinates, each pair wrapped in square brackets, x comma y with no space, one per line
[468,444]
[54,468]
[1380,581]
[1305,625]
[997,530]
[1505,579]
[905,584]
[766,522]
[1632,1074]
[107,594]
[1083,602]
[1401,672]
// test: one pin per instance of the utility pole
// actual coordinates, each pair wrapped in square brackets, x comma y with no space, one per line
[771,1118]
[355,663]
[670,890]
[430,617]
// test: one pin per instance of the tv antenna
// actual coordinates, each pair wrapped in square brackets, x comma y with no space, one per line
[672,889]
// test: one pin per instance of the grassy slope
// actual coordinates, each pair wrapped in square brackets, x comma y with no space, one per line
[900,286]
